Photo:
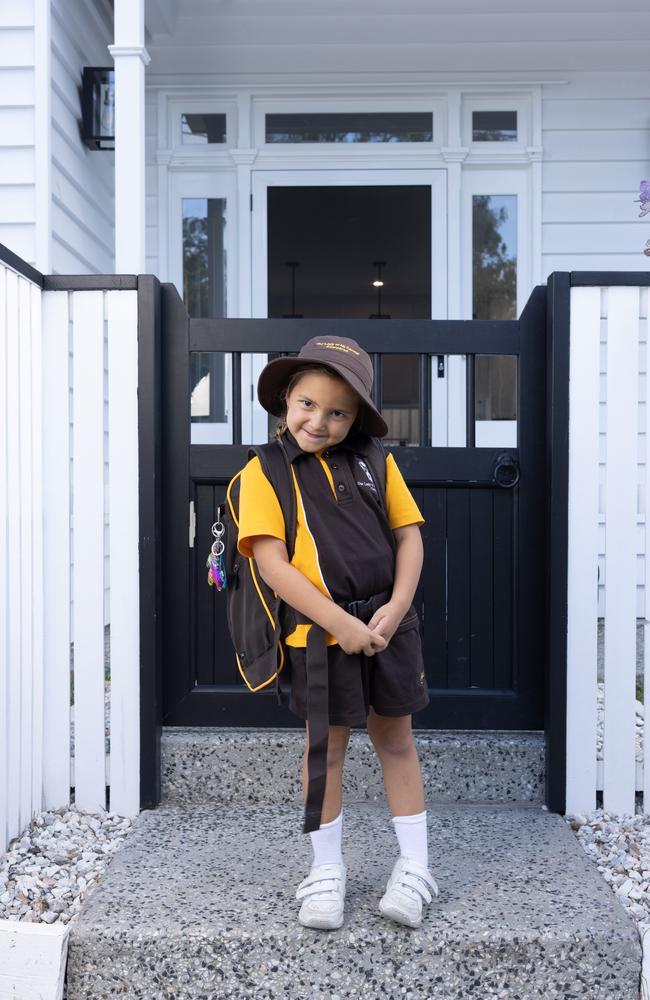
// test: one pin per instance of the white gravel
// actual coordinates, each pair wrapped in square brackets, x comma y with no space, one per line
[620,846]
[47,871]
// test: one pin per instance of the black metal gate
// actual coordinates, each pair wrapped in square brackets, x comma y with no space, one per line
[481,593]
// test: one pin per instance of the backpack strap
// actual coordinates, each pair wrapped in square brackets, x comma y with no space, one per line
[277,469]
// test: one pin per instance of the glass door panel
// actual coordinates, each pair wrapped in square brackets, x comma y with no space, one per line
[204,272]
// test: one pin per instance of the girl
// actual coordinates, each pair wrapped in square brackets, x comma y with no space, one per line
[347,549]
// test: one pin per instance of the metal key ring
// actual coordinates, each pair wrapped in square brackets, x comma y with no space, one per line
[217,548]
[218,529]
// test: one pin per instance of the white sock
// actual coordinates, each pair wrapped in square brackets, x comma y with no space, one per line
[411,834]
[326,842]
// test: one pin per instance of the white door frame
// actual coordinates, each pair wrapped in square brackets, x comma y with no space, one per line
[262,179]
[203,184]
[206,184]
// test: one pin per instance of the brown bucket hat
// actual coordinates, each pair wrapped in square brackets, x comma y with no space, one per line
[345,357]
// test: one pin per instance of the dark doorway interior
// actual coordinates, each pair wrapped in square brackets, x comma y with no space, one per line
[330,238]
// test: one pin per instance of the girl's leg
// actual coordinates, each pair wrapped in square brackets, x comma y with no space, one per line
[392,738]
[337,744]
[411,884]
[323,896]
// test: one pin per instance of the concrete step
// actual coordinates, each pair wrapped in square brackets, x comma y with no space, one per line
[200,903]
[264,766]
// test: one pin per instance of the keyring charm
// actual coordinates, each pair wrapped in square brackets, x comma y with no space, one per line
[215,563]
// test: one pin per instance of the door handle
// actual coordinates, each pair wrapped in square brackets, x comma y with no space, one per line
[506,471]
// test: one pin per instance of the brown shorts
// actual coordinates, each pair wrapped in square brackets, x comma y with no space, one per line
[392,681]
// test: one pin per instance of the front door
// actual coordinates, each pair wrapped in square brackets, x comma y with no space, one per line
[322,239]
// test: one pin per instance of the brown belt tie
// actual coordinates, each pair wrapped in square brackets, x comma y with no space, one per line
[318,704]
[318,717]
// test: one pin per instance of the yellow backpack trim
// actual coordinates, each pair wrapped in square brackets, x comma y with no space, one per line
[261,597]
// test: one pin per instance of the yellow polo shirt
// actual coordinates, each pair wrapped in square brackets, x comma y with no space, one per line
[260,514]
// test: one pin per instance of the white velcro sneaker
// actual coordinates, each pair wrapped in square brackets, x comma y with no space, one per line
[410,886]
[322,894]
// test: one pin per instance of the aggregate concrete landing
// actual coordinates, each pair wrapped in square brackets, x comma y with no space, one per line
[199,903]
[248,766]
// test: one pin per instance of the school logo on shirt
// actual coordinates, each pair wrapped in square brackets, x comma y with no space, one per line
[364,477]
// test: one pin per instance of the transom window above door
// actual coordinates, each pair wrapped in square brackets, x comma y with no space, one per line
[372,126]
[494,126]
[202,129]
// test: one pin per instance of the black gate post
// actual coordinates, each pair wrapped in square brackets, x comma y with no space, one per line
[557,532]
[149,503]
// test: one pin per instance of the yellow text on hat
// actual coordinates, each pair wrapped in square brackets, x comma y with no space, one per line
[336,346]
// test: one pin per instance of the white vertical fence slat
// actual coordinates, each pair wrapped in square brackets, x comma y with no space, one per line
[645,337]
[21,602]
[582,586]
[15,817]
[620,549]
[88,549]
[56,525]
[4,581]
[23,472]
[38,560]
[124,549]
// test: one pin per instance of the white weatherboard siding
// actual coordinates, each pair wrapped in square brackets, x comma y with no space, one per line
[17,128]
[82,179]
[596,150]
[56,195]
[152,234]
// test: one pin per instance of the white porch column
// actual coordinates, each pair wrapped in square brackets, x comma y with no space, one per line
[130,57]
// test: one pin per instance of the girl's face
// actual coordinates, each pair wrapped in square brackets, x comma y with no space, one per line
[320,410]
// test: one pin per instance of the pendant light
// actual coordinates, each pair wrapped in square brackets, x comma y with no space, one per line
[378,283]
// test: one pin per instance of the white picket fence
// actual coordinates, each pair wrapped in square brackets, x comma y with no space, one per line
[609,425]
[68,386]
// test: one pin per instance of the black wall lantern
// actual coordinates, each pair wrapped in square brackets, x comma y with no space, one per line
[98,107]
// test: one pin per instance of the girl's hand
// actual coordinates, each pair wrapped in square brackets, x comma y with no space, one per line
[385,620]
[355,637]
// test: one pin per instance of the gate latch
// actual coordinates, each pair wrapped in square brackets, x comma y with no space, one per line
[506,471]
[192,525]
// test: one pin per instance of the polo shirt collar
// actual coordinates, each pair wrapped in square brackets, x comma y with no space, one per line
[359,443]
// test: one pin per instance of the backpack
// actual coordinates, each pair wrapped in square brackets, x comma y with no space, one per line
[257,617]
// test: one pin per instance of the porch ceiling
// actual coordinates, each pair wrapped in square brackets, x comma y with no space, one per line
[372,40]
